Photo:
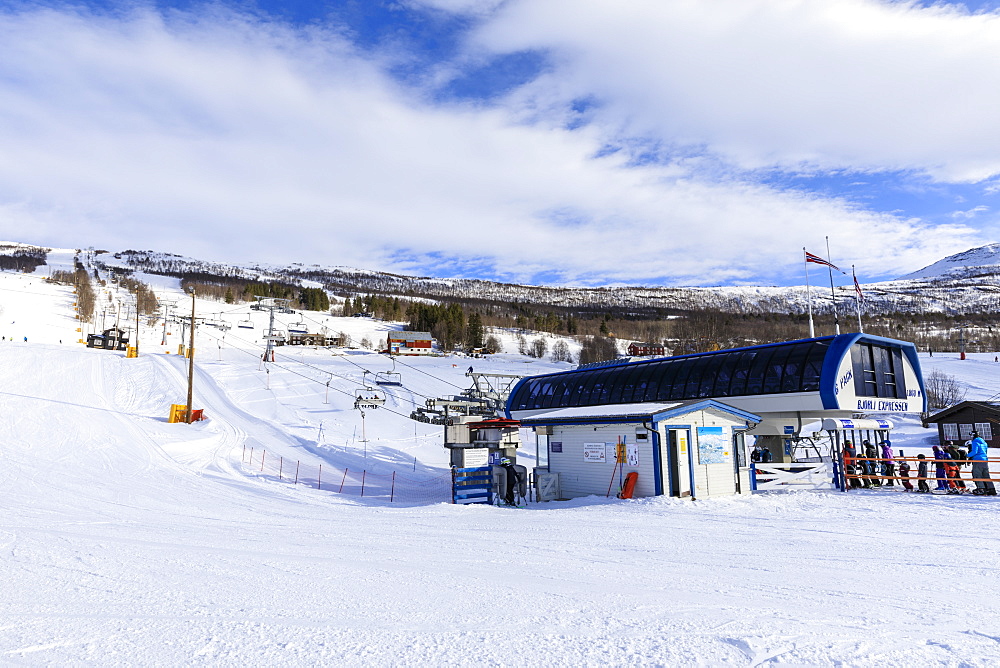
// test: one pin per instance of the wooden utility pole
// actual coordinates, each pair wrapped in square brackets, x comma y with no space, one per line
[138,286]
[190,397]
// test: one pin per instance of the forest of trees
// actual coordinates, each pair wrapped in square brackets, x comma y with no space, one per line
[85,297]
[24,260]
[146,296]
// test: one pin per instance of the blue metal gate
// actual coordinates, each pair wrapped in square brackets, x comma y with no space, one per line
[473,485]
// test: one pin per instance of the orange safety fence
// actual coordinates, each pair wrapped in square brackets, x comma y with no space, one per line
[930,461]
[395,486]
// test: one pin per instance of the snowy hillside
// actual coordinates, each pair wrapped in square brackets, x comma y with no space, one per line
[973,262]
[127,540]
[968,282]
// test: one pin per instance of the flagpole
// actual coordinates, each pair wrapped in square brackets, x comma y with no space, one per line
[833,295]
[857,298]
[809,299]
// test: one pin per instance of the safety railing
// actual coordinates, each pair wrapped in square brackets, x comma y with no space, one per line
[944,474]
[395,487]
[800,475]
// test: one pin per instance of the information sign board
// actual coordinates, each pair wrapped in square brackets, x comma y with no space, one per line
[594,452]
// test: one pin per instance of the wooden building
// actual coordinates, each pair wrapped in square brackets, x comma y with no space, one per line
[958,422]
[322,340]
[409,343]
[637,349]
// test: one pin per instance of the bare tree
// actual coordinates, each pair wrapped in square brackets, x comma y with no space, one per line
[560,352]
[538,347]
[598,349]
[522,344]
[493,344]
[943,390]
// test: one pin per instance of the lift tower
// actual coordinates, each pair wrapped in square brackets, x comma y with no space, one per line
[272,304]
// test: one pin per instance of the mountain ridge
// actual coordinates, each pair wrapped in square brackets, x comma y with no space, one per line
[960,283]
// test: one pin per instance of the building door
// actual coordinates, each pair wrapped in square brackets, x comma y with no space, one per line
[680,470]
[740,460]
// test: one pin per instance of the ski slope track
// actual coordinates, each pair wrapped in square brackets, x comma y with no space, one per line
[126,540]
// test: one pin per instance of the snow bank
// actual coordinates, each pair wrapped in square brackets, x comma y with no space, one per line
[128,540]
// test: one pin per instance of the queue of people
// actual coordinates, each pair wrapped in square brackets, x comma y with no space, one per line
[949,460]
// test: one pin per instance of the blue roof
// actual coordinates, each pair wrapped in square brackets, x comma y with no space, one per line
[805,365]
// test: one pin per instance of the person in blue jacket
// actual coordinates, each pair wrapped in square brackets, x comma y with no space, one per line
[978,452]
[939,472]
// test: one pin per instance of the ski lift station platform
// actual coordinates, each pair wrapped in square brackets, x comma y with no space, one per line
[685,423]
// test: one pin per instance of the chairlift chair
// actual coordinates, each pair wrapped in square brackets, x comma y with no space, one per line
[368,397]
[245,324]
[298,328]
[389,377]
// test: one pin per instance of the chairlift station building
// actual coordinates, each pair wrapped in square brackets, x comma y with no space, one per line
[684,421]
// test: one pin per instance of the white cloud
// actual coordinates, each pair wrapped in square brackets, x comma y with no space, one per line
[969,213]
[857,84]
[229,139]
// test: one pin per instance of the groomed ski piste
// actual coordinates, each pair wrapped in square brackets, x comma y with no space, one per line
[127,540]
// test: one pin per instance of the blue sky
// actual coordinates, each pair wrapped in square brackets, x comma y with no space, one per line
[584,142]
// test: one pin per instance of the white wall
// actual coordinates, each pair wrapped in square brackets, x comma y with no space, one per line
[582,478]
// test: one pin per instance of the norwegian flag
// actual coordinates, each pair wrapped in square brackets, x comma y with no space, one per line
[857,287]
[818,260]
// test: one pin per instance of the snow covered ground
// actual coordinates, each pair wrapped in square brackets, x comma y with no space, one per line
[128,540]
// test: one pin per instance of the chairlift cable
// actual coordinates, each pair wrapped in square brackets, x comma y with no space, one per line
[335,389]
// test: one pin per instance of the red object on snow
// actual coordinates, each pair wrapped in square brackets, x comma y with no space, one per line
[629,487]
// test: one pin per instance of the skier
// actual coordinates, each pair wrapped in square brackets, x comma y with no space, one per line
[513,479]
[939,468]
[888,467]
[850,470]
[978,453]
[870,455]
[951,470]
[955,467]
[904,473]
[922,485]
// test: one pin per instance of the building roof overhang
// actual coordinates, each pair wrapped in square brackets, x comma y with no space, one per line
[640,412]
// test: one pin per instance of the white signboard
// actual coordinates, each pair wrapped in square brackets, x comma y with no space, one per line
[476,457]
[594,452]
[632,454]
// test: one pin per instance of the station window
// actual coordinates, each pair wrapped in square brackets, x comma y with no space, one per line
[878,371]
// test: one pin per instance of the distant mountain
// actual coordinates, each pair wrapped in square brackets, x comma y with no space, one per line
[982,261]
[964,283]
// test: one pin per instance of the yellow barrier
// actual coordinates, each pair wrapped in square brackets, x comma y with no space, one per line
[178,413]
[131,352]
